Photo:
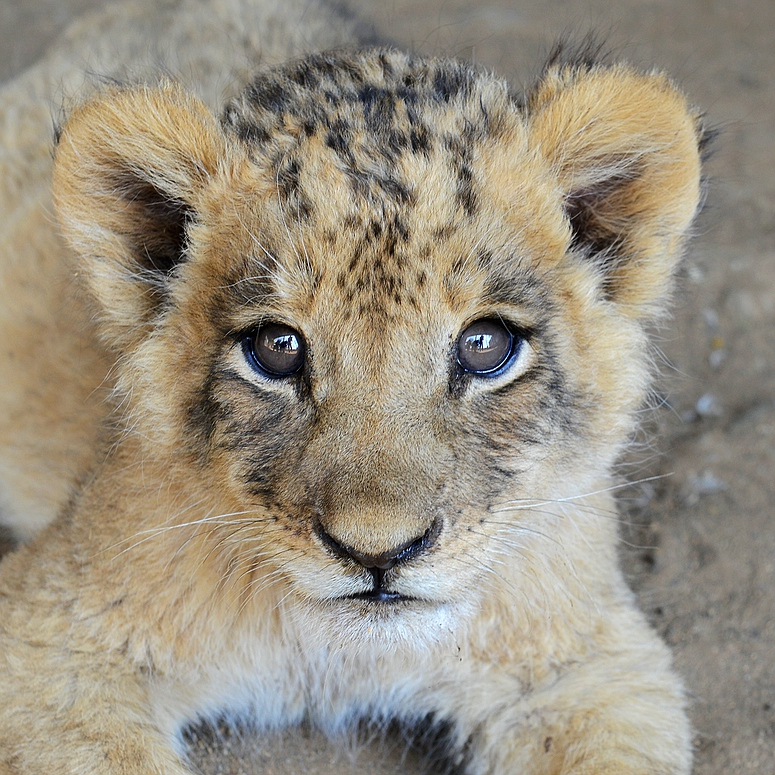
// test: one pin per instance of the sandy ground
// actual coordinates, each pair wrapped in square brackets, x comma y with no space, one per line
[699,543]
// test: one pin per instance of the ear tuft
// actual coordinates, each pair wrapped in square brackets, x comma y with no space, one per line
[130,169]
[624,148]
[577,54]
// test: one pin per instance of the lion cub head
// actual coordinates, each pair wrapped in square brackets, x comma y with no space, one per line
[381,301]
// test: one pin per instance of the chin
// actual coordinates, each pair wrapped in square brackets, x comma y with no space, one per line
[377,626]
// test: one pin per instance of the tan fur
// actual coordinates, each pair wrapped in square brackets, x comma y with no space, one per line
[204,556]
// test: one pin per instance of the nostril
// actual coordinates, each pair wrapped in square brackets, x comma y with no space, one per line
[418,546]
[385,560]
[330,542]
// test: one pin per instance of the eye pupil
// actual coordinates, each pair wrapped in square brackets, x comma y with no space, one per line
[484,347]
[278,349]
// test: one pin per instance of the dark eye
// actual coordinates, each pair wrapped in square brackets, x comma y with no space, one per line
[277,349]
[485,346]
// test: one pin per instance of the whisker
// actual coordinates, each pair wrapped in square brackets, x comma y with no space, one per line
[526,503]
[220,520]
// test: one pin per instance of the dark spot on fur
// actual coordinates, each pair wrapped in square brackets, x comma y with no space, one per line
[420,140]
[460,159]
[268,94]
[332,98]
[290,188]
[387,66]
[457,266]
[484,257]
[465,189]
[314,281]
[374,230]
[395,232]
[338,140]
[378,108]
[390,243]
[253,134]
[393,189]
[443,233]
[410,80]
[249,132]
[305,75]
[396,142]
[202,416]
[401,229]
[452,80]
[356,257]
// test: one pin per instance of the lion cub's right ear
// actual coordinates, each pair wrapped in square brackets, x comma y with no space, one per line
[130,169]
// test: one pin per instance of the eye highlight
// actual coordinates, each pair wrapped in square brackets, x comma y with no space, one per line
[275,350]
[486,347]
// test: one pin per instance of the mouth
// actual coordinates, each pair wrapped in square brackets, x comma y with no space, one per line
[381,596]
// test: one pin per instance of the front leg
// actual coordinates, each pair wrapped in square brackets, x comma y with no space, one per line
[75,679]
[619,712]
[68,712]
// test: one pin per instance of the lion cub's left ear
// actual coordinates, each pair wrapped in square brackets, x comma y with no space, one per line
[625,149]
[130,169]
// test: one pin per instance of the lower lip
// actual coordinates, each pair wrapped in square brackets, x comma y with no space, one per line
[380,597]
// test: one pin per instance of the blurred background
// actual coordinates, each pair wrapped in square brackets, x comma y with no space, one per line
[698,541]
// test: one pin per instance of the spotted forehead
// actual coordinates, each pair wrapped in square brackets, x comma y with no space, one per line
[373,111]
[373,158]
[383,92]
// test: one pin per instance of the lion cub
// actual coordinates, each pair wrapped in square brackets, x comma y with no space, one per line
[374,337]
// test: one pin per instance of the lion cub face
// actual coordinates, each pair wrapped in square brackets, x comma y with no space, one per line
[383,305]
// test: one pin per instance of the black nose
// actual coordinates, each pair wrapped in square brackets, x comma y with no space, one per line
[386,560]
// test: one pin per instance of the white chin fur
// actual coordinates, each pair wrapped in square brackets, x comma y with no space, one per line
[405,628]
